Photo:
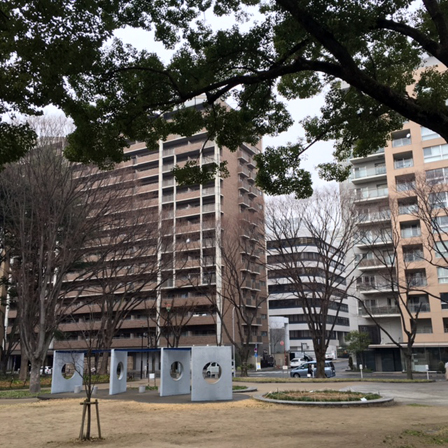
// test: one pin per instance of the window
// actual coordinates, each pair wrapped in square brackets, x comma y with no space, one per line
[407,208]
[438,176]
[418,303]
[410,230]
[441,249]
[428,134]
[440,224]
[433,153]
[442,275]
[416,278]
[401,138]
[403,161]
[405,183]
[412,253]
[439,200]
[424,326]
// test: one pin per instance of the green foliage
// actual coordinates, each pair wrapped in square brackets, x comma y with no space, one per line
[21,393]
[97,379]
[361,55]
[357,341]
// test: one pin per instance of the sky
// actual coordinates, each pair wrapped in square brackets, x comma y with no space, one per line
[299,109]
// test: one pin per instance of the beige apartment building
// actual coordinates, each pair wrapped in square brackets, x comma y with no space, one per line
[203,227]
[398,250]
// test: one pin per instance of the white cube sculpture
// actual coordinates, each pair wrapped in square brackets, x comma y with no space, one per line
[175,372]
[211,361]
[118,372]
[61,384]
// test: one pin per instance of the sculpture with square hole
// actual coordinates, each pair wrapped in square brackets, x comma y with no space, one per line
[211,373]
[175,372]
[68,370]
[118,372]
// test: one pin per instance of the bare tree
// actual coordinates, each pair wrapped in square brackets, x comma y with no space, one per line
[307,244]
[10,333]
[123,271]
[237,293]
[395,276]
[173,317]
[47,217]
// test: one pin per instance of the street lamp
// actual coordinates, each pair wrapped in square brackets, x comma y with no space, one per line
[233,342]
[141,358]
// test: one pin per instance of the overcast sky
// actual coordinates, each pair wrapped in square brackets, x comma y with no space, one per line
[298,108]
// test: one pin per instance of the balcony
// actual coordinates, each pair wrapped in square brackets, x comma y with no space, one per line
[398,142]
[408,209]
[375,287]
[374,217]
[419,307]
[409,257]
[366,194]
[375,263]
[378,311]
[416,281]
[244,171]
[371,239]
[359,174]
[379,154]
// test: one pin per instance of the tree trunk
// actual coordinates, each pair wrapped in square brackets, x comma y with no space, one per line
[244,355]
[3,362]
[23,375]
[408,362]
[104,363]
[35,376]
[320,363]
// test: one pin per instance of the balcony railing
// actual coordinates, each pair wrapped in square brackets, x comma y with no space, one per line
[374,216]
[368,172]
[371,193]
[416,281]
[419,307]
[408,209]
[397,142]
[413,256]
[375,286]
[378,310]
[386,262]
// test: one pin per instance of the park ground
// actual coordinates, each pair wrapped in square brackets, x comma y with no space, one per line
[240,423]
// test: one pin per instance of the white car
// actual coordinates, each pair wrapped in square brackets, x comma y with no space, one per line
[296,362]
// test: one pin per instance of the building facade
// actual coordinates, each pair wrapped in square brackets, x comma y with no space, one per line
[185,302]
[299,267]
[401,275]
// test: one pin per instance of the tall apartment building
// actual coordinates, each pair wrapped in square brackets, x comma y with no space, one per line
[392,188]
[196,223]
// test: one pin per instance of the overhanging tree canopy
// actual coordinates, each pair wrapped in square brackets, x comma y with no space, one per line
[295,50]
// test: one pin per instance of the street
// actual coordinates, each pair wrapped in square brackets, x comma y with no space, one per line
[341,366]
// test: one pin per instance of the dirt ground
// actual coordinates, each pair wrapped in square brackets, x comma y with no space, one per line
[244,423]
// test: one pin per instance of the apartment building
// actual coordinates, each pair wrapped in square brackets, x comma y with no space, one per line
[196,224]
[401,267]
[297,268]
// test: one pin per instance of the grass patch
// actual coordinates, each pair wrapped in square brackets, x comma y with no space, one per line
[239,387]
[21,393]
[333,396]
[15,383]
[425,437]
